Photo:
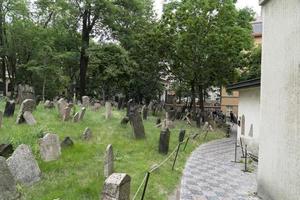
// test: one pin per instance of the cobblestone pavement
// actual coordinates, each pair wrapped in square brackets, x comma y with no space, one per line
[210,174]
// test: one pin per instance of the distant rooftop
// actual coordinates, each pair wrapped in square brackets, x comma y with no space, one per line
[257,28]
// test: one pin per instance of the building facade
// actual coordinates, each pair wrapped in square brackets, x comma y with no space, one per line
[279,154]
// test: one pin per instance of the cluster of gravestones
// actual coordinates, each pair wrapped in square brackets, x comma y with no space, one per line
[20,166]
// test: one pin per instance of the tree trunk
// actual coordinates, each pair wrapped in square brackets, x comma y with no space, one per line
[193,100]
[201,98]
[3,66]
[44,86]
[84,58]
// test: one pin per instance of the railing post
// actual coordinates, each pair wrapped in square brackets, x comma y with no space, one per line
[246,170]
[146,184]
[186,142]
[242,147]
[176,156]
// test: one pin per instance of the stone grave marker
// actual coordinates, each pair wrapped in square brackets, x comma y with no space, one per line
[108,161]
[85,101]
[87,134]
[8,190]
[96,107]
[6,150]
[29,119]
[50,147]
[145,112]
[243,125]
[61,105]
[108,110]
[24,92]
[9,108]
[81,114]
[48,104]
[125,120]
[158,121]
[67,142]
[181,135]
[76,117]
[27,105]
[117,187]
[67,113]
[164,141]
[136,123]
[23,166]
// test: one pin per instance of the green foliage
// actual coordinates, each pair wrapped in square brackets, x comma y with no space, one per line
[252,64]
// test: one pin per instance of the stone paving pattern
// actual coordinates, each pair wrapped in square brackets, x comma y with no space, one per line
[210,174]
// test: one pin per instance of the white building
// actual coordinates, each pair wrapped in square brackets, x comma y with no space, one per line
[279,152]
[249,113]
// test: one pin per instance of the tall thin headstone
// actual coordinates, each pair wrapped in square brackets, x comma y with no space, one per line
[108,110]
[9,108]
[85,101]
[108,161]
[243,125]
[164,141]
[81,113]
[137,123]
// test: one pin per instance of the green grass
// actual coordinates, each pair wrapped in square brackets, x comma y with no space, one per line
[78,174]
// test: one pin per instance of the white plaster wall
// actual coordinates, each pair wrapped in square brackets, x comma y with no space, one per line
[249,106]
[279,153]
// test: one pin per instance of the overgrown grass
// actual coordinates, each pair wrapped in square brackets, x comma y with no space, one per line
[78,174]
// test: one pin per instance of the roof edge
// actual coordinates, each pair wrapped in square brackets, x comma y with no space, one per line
[263,2]
[244,84]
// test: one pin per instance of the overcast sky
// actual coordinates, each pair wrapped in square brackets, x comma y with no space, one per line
[240,4]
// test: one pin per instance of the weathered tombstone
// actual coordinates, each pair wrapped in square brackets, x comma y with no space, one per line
[61,105]
[1,117]
[67,142]
[87,134]
[181,135]
[117,187]
[29,119]
[108,161]
[76,117]
[158,121]
[6,150]
[81,113]
[251,131]
[25,92]
[145,112]
[23,166]
[137,123]
[48,104]
[125,120]
[9,108]
[170,115]
[96,106]
[164,141]
[130,104]
[108,110]
[49,147]
[85,101]
[27,105]
[67,113]
[8,190]
[120,103]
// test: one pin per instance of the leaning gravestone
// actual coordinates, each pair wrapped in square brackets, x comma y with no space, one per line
[108,110]
[87,134]
[76,117]
[49,147]
[6,150]
[117,187]
[61,105]
[108,161]
[145,112]
[85,101]
[164,141]
[81,113]
[27,105]
[8,190]
[29,119]
[23,166]
[67,142]
[1,117]
[9,108]
[136,123]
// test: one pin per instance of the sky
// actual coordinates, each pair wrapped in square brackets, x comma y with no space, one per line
[240,4]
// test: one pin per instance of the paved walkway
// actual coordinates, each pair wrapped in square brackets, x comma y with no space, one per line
[210,174]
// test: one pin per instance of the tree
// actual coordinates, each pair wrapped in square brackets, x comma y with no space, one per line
[206,39]
[252,64]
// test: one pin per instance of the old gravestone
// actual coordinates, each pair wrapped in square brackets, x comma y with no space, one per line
[158,121]
[87,134]
[85,101]
[67,113]
[29,119]
[27,105]
[61,105]
[23,166]
[108,161]
[25,92]
[1,117]
[164,141]
[6,150]
[81,113]
[67,142]
[145,112]
[49,147]
[76,117]
[8,190]
[48,104]
[117,187]
[9,108]
[136,123]
[130,104]
[181,135]
[96,107]
[108,110]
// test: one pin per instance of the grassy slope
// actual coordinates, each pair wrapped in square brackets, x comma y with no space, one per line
[78,174]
